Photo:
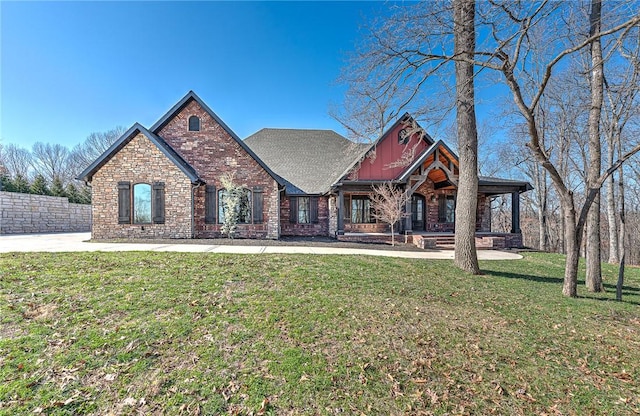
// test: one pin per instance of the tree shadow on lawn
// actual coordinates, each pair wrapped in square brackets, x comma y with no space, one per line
[610,288]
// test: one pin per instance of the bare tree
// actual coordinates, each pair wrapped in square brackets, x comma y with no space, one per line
[83,154]
[388,202]
[3,169]
[395,70]
[466,257]
[621,105]
[51,161]
[594,269]
[16,160]
[508,59]
[527,44]
[621,239]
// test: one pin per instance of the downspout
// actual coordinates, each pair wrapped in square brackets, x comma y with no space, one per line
[281,196]
[193,209]
[88,184]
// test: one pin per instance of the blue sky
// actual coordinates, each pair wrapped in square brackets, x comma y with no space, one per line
[72,68]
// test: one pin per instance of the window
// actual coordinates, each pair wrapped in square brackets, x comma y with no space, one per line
[142,203]
[243,207]
[138,201]
[194,123]
[446,209]
[361,211]
[303,209]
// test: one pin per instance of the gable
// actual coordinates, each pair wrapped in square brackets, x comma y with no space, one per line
[438,162]
[389,156]
[155,141]
[212,144]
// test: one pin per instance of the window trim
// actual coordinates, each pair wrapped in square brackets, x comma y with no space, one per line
[133,204]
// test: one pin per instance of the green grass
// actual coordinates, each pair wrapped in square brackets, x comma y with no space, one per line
[170,333]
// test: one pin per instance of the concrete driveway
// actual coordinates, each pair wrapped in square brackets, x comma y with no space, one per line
[64,242]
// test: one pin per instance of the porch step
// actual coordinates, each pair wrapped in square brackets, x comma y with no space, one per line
[445,241]
[448,241]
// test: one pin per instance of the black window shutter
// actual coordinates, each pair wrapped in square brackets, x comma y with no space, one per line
[258,203]
[442,208]
[158,202]
[313,202]
[293,210]
[124,203]
[210,204]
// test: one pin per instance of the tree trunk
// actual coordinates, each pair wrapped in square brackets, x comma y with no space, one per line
[540,182]
[393,235]
[593,249]
[466,257]
[611,207]
[623,231]
[572,242]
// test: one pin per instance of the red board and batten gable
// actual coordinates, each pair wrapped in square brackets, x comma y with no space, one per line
[389,158]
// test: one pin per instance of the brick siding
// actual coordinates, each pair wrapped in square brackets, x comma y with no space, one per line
[213,152]
[25,213]
[308,230]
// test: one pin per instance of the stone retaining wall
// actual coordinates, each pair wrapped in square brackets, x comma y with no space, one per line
[25,213]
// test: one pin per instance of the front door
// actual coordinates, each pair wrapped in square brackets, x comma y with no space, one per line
[417,212]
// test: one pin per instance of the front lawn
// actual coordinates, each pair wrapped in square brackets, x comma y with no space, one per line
[173,333]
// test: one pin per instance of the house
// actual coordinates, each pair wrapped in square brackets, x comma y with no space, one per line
[164,182]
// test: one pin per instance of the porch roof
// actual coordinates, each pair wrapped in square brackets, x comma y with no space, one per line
[497,186]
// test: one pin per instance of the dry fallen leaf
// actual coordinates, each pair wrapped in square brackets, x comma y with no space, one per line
[129,401]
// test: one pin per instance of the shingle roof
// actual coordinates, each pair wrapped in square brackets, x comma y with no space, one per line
[309,160]
[163,146]
[501,184]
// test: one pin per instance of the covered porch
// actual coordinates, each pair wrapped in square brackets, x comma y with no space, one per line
[431,183]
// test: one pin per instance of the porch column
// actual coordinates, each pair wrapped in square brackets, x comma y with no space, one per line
[515,213]
[340,213]
[408,224]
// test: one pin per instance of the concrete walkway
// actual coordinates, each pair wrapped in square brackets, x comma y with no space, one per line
[65,242]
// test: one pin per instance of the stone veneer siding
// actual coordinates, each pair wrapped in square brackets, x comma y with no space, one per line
[213,152]
[25,213]
[140,161]
[321,228]
[333,216]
